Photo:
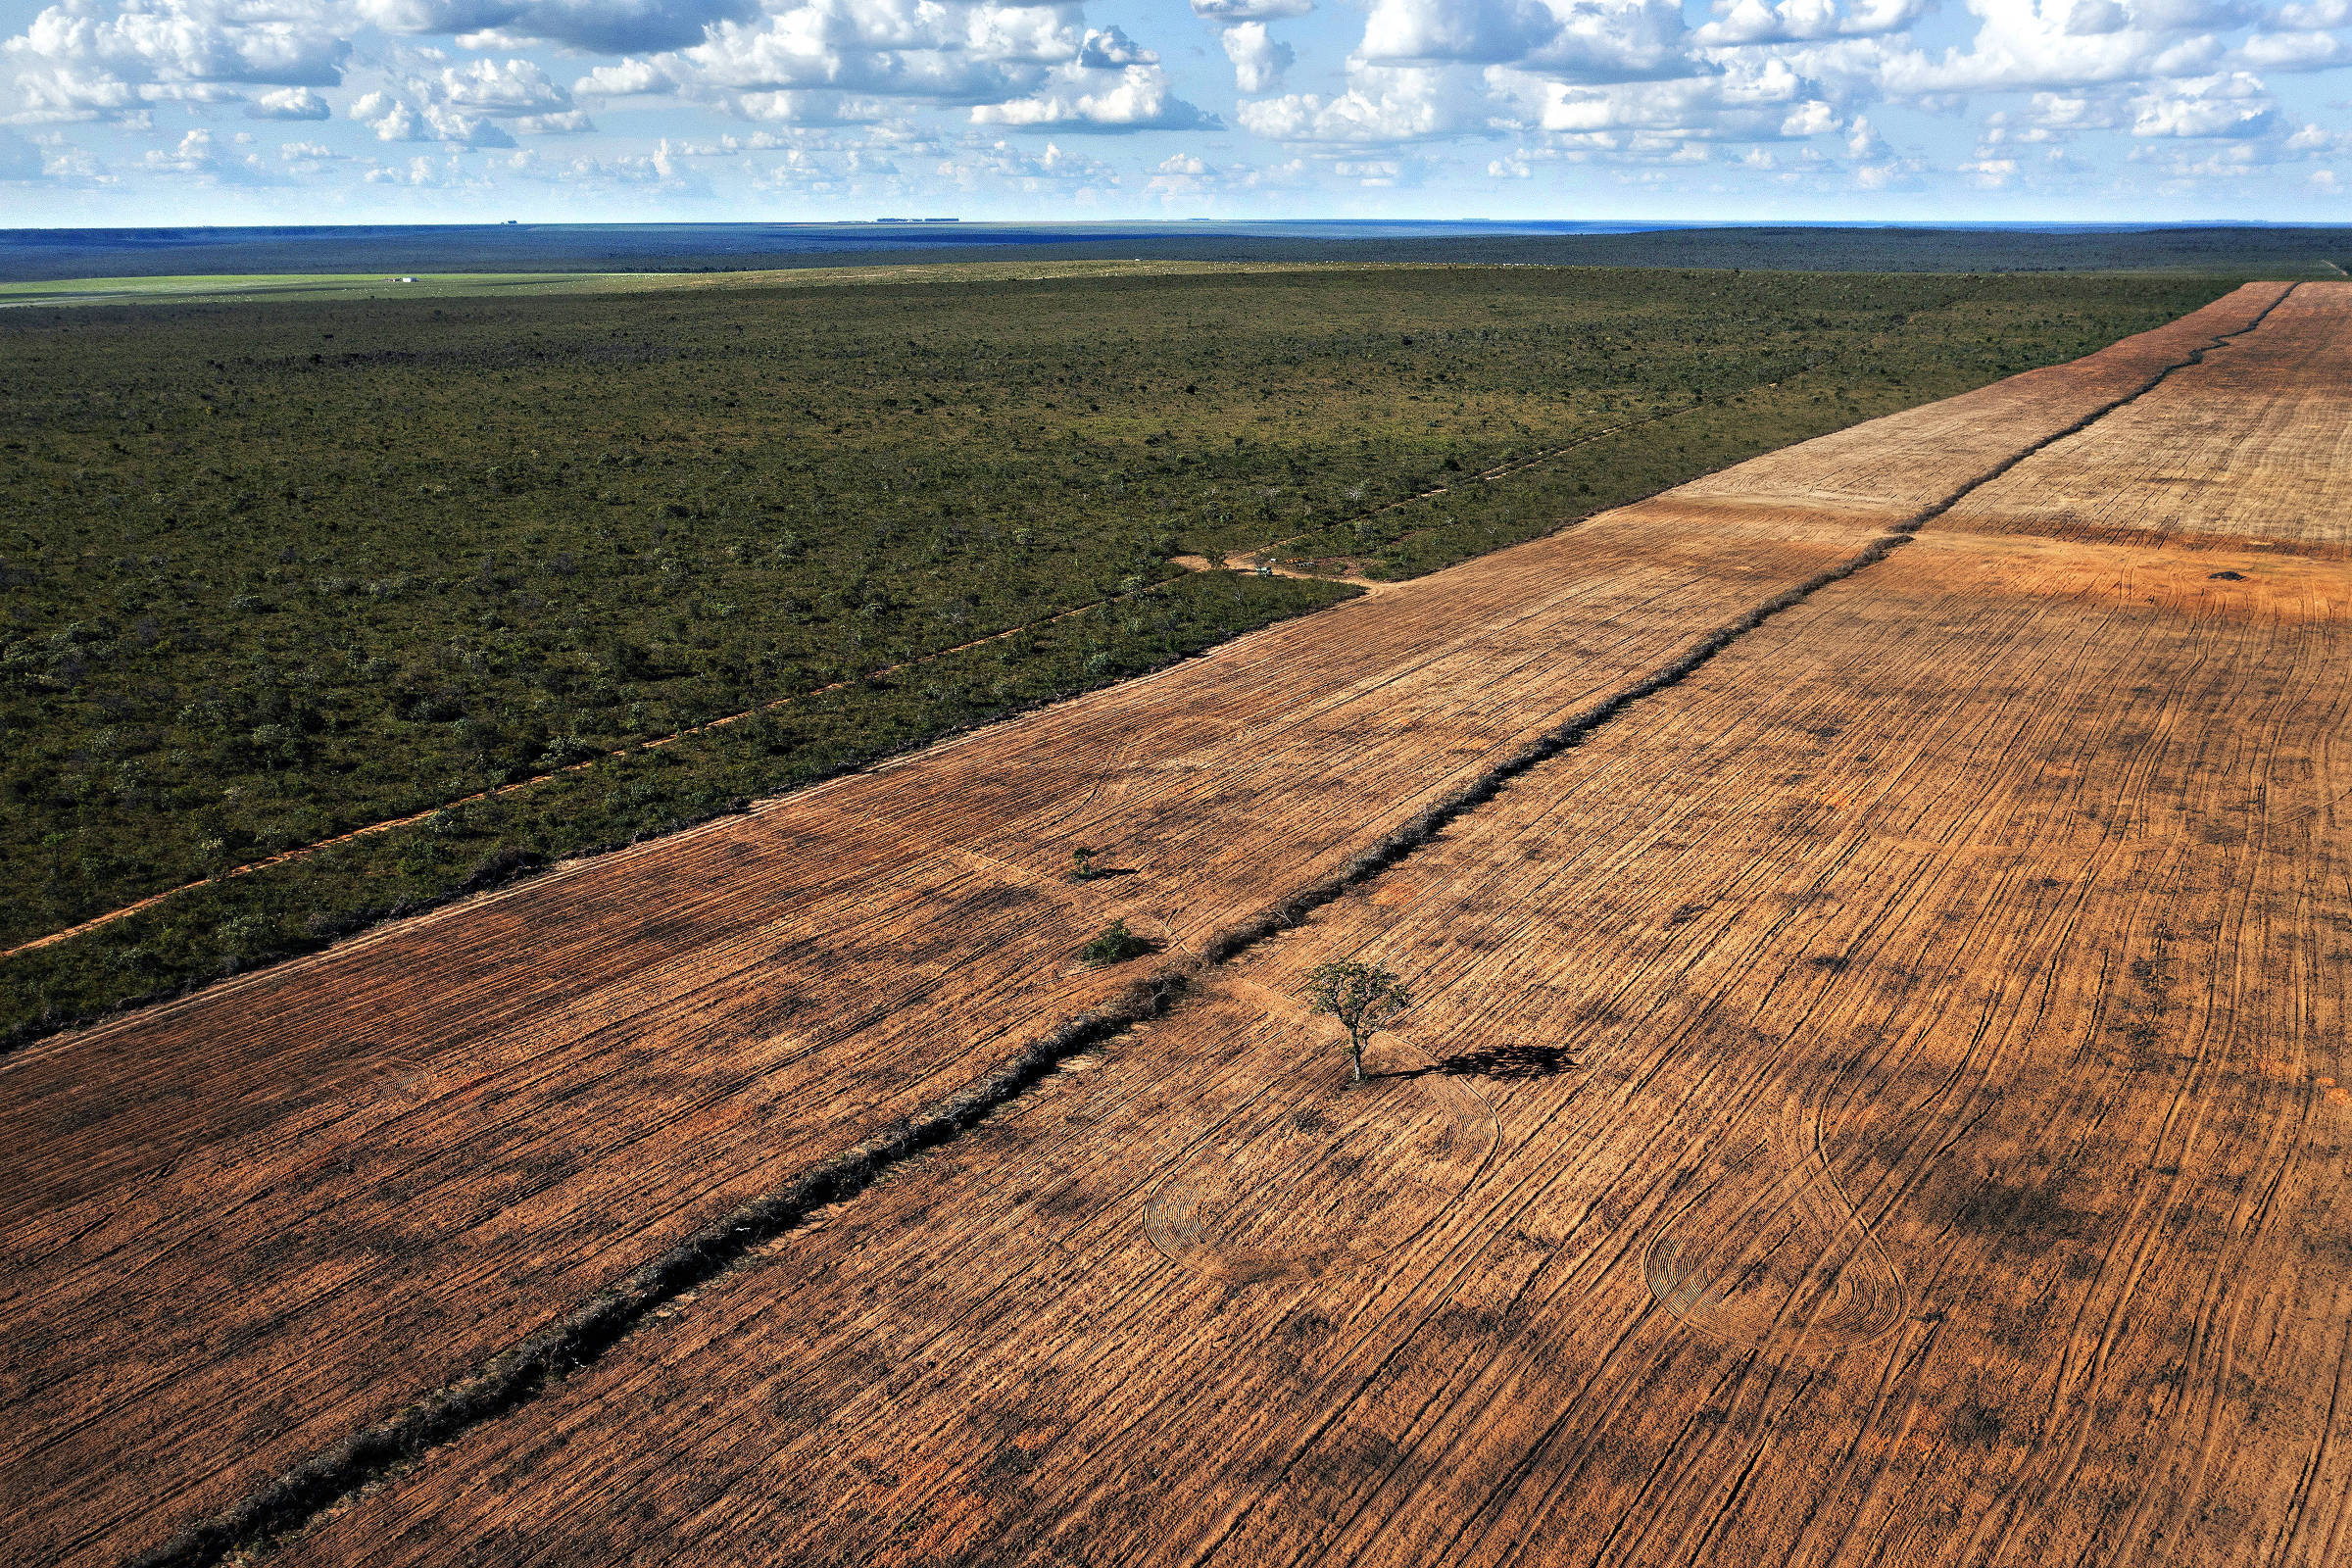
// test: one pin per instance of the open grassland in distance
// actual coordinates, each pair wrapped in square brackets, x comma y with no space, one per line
[278,571]
[1875,1091]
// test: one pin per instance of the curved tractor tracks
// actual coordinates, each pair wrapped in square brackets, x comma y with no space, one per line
[525,1369]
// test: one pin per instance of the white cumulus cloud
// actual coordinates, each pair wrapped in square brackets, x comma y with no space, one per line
[1033,66]
[1258,58]
[1382,104]
[90,60]
[2235,107]
[288,103]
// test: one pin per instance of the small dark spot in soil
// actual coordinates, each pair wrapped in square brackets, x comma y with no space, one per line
[770,1012]
[2033,1216]
[1011,1460]
[2226,577]
[1067,1201]
[1976,1423]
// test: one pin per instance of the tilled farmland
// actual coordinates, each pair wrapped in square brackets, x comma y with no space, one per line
[1878,921]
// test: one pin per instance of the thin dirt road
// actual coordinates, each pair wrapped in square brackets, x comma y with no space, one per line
[1873,1097]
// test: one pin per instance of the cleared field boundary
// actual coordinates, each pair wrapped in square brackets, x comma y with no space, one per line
[519,1373]
[370,829]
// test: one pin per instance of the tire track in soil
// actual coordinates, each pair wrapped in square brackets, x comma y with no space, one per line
[2100,1333]
[1292,1148]
[525,1369]
[2210,1305]
[1774,1273]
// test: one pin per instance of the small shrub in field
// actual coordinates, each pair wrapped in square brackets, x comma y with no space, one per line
[1114,944]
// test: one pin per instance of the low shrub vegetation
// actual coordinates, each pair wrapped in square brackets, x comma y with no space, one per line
[276,573]
[1113,944]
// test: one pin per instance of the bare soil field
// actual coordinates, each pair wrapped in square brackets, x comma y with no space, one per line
[1942,1162]
[1873,1098]
[2249,453]
[1880,1102]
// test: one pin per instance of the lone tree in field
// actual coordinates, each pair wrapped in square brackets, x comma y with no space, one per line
[1361,996]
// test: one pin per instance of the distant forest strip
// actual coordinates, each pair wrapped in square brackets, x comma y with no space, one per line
[276,572]
[2219,250]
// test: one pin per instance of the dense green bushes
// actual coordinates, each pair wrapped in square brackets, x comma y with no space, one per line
[272,573]
[234,923]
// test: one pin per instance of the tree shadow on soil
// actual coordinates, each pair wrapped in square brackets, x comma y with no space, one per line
[1496,1061]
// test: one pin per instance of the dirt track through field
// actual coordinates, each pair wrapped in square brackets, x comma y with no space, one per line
[381,1166]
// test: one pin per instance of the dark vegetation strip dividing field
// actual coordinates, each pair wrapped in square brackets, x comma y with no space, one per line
[277,574]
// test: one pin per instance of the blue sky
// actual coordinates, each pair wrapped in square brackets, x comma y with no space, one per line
[337,111]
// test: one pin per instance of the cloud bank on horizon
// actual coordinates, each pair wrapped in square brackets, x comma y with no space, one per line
[233,111]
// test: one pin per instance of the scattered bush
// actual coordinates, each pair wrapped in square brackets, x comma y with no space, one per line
[1114,944]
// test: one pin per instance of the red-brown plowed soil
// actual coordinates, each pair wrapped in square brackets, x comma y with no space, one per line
[2254,449]
[262,1219]
[1909,952]
[1947,1166]
[1917,459]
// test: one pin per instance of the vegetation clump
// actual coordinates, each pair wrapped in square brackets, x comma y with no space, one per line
[1114,944]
